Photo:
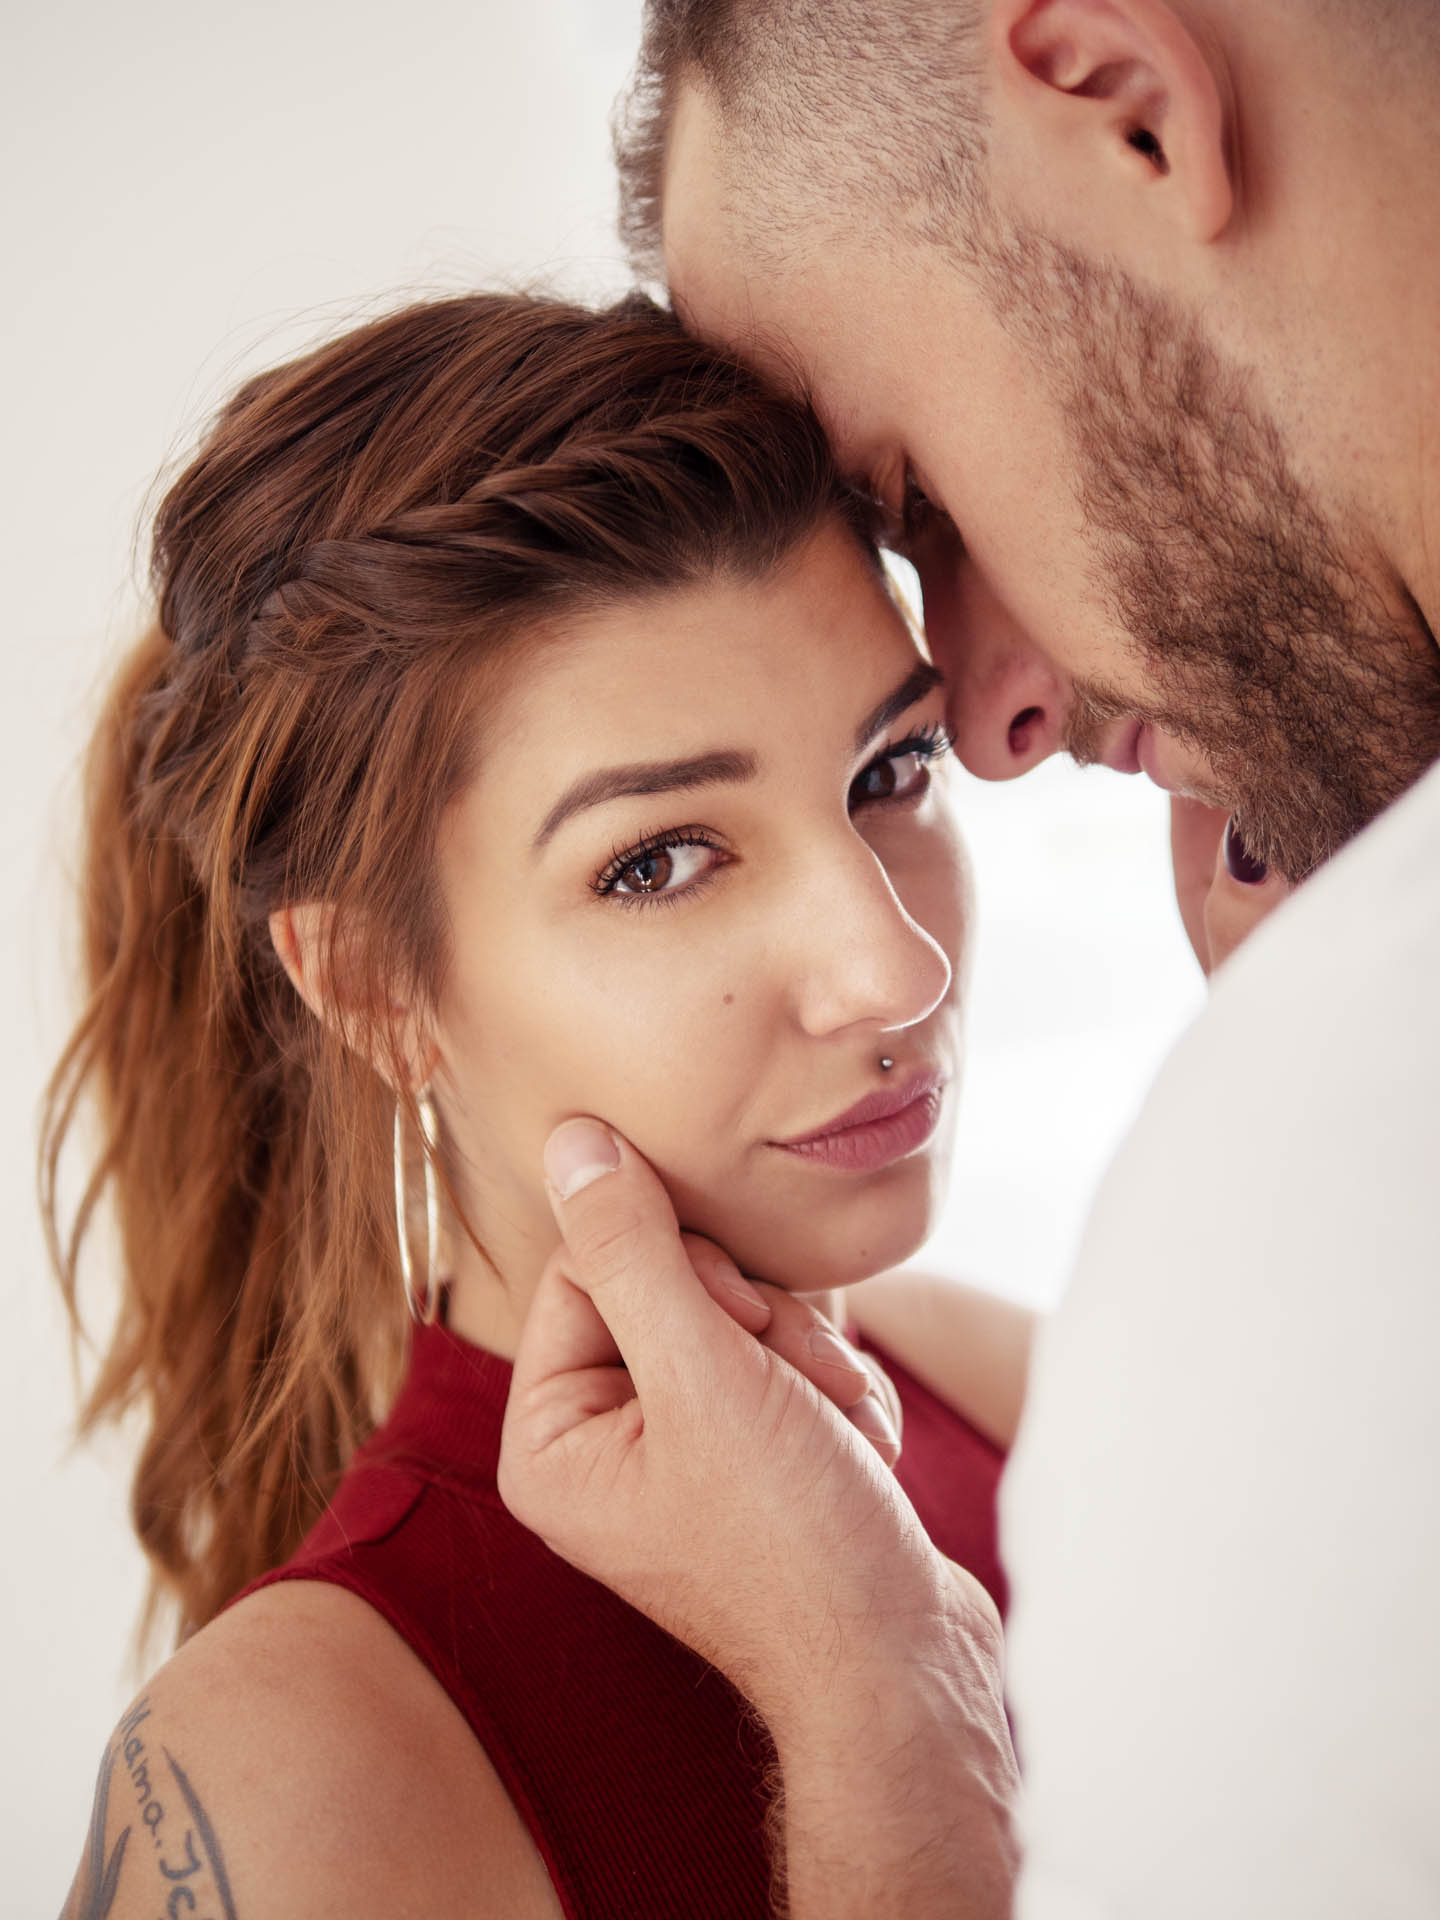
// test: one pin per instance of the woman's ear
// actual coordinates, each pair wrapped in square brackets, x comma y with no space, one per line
[1117,116]
[299,936]
[313,954]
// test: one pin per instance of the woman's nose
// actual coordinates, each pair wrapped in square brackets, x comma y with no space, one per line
[1006,704]
[865,961]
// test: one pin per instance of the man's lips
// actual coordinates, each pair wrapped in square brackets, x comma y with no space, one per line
[1122,753]
[885,1126]
[1140,748]
[1149,765]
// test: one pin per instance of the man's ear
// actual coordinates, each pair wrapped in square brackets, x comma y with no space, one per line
[1119,114]
[306,943]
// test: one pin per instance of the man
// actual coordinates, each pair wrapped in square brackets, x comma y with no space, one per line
[1128,315]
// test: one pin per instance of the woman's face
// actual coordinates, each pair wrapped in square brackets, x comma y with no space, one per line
[703,883]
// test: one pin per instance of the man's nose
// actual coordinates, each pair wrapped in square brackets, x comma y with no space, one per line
[864,960]
[1007,705]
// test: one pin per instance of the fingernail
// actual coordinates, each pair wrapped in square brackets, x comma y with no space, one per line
[829,1347]
[1240,863]
[577,1153]
[872,1420]
[745,1290]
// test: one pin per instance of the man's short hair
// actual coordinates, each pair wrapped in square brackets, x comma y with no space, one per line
[840,106]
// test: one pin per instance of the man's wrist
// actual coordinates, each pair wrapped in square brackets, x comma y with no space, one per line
[898,1774]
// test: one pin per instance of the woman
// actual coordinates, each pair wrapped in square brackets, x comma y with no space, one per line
[527,730]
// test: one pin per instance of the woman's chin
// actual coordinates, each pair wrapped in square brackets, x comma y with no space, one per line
[837,1240]
[844,1266]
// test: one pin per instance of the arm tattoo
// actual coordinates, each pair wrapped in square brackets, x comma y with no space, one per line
[93,1894]
[210,1847]
[193,1882]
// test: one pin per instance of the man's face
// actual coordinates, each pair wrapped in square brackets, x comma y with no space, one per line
[1123,563]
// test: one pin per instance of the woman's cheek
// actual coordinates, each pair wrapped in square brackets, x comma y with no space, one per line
[686,1062]
[644,1039]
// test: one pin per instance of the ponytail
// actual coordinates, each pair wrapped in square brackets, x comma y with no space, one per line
[206,1109]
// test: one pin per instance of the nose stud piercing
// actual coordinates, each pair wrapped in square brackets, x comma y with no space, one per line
[886,1063]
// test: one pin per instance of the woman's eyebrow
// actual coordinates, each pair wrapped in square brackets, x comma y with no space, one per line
[722,767]
[921,679]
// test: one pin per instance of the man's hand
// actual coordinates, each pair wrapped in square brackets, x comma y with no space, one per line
[657,1443]
[1222,893]
[689,1453]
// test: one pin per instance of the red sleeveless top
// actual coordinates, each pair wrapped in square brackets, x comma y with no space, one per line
[640,1772]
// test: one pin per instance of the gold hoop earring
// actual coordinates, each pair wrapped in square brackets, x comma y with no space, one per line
[422,1314]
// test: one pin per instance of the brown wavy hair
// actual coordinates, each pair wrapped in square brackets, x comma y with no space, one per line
[362,535]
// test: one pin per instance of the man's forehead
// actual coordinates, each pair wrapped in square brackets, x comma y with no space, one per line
[696,198]
[709,263]
[785,316]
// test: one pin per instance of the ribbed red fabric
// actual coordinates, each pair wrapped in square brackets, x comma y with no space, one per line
[639,1771]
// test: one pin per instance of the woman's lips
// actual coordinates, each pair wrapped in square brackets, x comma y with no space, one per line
[883,1127]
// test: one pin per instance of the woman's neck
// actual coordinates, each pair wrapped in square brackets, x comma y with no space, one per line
[489,1293]
[489,1297]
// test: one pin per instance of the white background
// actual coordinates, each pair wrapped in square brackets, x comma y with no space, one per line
[191,192]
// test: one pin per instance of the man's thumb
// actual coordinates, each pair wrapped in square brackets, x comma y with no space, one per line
[578,1153]
[623,1246]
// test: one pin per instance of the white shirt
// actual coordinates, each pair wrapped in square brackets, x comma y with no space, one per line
[1222,1517]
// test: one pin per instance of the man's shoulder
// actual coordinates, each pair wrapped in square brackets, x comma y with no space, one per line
[1219,1517]
[1282,1164]
[1314,1070]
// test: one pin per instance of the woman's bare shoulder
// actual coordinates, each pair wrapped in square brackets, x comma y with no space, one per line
[295,1758]
[968,1346]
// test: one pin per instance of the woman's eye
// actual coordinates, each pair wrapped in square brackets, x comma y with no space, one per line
[665,868]
[896,777]
[902,773]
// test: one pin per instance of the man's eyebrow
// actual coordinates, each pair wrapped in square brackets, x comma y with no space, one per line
[725,766]
[921,679]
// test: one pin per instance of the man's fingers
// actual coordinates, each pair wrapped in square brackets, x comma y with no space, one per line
[628,1286]
[567,1366]
[884,1389]
[800,1334]
[878,1415]
[745,1303]
[623,1248]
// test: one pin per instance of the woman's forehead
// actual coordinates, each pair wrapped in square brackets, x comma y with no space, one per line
[818,638]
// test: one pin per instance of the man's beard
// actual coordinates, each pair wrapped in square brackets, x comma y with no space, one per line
[1266,651]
